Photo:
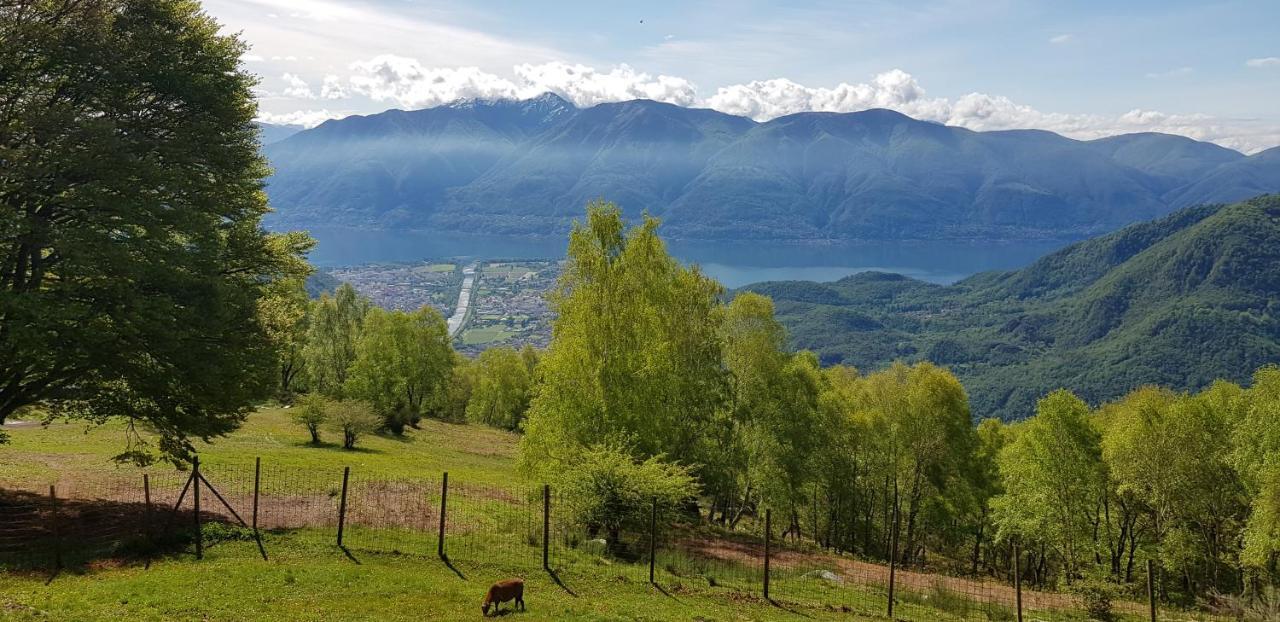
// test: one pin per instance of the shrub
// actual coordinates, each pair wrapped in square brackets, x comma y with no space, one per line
[310,414]
[352,419]
[606,490]
[1096,593]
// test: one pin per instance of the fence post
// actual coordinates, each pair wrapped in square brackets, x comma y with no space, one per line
[546,526]
[342,505]
[56,528]
[1017,578]
[147,528]
[1151,589]
[893,550]
[257,478]
[195,483]
[444,501]
[768,537]
[653,536]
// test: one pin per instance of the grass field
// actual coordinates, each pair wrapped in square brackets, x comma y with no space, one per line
[308,581]
[307,577]
[393,574]
[487,334]
[62,452]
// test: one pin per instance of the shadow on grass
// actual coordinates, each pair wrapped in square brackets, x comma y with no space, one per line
[76,536]
[320,445]
[788,607]
[346,551]
[555,578]
[449,564]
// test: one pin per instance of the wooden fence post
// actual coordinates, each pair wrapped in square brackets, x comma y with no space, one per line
[56,527]
[147,528]
[257,479]
[653,537]
[1151,589]
[342,505]
[893,550]
[768,537]
[444,501]
[195,482]
[1017,578]
[546,526]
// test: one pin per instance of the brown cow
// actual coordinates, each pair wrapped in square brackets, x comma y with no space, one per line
[503,591]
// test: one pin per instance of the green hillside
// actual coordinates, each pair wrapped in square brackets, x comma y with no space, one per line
[1179,302]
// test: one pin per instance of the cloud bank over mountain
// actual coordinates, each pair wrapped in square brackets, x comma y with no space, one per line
[407,83]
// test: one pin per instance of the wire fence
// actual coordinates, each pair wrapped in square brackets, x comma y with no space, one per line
[525,526]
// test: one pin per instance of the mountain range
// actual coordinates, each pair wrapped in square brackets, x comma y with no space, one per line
[1178,302]
[529,166]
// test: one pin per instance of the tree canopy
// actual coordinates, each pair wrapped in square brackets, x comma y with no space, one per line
[132,259]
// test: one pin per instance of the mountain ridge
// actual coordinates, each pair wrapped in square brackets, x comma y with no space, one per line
[527,167]
[1178,302]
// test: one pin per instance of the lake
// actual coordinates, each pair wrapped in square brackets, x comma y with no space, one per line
[732,263]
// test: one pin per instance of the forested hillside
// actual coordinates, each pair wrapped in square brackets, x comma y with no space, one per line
[1178,302]
[525,167]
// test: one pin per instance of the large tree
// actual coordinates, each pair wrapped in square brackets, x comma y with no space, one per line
[402,362]
[634,359]
[131,253]
[502,389]
[333,329]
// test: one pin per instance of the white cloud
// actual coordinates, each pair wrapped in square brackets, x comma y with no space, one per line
[305,118]
[585,86]
[1261,63]
[1060,39]
[296,87]
[411,84]
[251,58]
[332,88]
[1172,73]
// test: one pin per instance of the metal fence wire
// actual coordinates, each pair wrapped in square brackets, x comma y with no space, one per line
[743,549]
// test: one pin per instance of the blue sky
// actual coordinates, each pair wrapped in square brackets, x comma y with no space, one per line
[1210,70]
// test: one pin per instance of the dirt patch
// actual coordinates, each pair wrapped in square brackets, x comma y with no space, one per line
[856,572]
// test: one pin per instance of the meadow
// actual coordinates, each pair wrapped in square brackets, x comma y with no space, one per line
[394,574]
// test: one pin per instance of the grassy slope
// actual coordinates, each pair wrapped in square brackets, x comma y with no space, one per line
[66,451]
[307,580]
[1179,302]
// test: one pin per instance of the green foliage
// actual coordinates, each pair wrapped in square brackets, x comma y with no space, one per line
[311,412]
[502,388]
[606,489]
[451,403]
[352,419]
[1054,481]
[283,310]
[132,257]
[1096,593]
[1178,302]
[634,329]
[332,334]
[402,363]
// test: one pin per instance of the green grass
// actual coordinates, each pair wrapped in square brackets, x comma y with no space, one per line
[308,580]
[437,267]
[395,574]
[66,452]
[487,334]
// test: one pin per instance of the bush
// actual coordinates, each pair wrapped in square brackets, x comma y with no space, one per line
[605,489]
[1096,593]
[352,419]
[310,414]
